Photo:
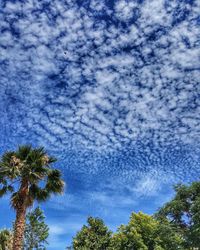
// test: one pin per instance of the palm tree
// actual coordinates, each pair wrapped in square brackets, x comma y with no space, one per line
[27,174]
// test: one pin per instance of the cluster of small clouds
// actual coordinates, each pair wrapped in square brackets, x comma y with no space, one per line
[100,75]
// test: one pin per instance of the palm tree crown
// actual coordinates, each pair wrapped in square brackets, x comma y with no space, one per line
[27,174]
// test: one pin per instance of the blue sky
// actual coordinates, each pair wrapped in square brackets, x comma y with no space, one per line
[111,88]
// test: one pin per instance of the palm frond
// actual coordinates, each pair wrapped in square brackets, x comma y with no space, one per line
[39,152]
[33,167]
[23,152]
[39,194]
[3,169]
[9,170]
[34,157]
[7,156]
[5,189]
[15,199]
[9,165]
[52,159]
[3,180]
[54,182]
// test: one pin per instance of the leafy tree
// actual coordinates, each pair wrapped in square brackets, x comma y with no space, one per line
[139,234]
[168,236]
[127,239]
[36,231]
[28,175]
[94,236]
[183,211]
[144,232]
[6,237]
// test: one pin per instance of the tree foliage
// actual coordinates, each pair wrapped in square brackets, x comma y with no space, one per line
[31,167]
[6,237]
[36,231]
[183,211]
[144,232]
[95,235]
[137,234]
[28,175]
[169,238]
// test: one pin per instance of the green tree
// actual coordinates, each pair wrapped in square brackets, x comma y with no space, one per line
[28,175]
[144,232]
[6,239]
[168,236]
[36,231]
[127,239]
[139,234]
[94,236]
[183,211]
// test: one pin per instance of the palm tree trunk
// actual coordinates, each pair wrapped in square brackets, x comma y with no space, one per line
[20,216]
[19,228]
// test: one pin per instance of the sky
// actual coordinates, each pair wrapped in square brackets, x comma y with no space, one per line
[110,88]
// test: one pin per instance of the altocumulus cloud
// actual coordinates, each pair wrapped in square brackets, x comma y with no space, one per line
[110,87]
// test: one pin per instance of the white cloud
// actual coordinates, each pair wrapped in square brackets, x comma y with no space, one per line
[56,229]
[151,183]
[124,10]
[87,78]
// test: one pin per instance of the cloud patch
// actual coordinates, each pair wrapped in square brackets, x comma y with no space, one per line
[111,88]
